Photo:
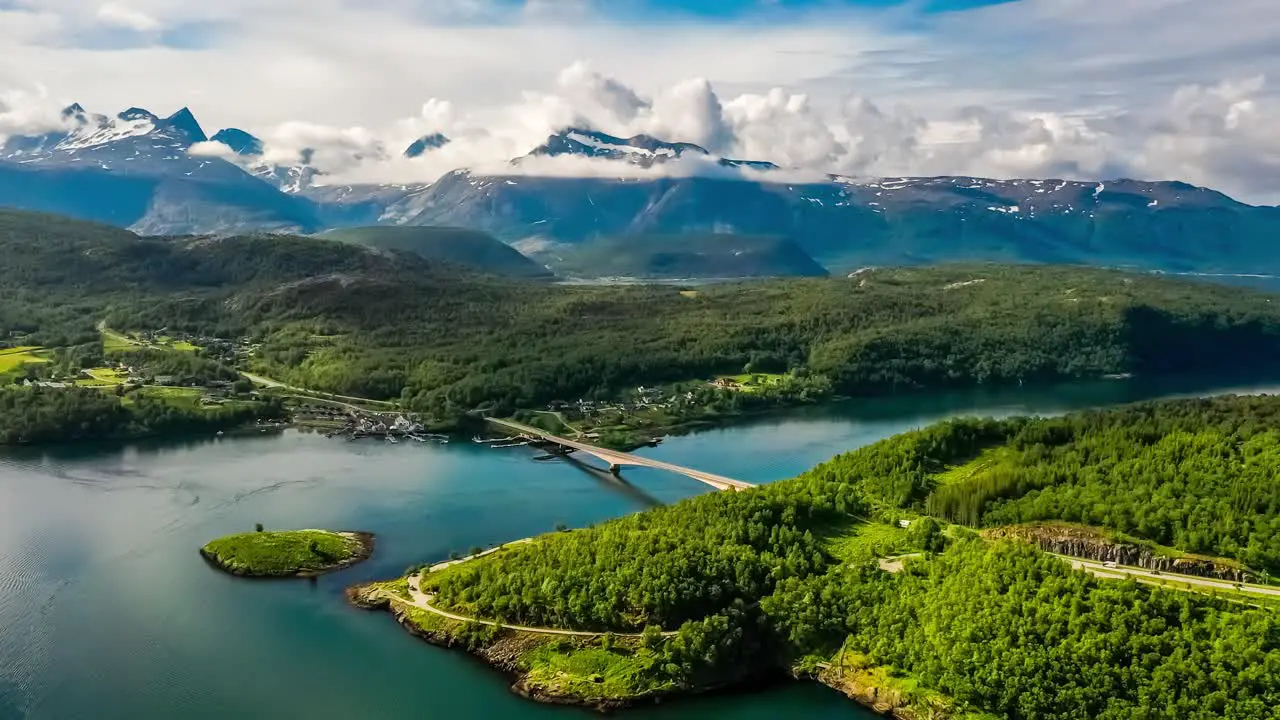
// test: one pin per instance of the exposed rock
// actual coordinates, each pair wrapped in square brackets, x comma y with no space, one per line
[1090,544]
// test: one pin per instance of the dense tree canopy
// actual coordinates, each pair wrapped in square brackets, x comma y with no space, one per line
[1202,476]
[386,324]
[42,415]
[1001,627]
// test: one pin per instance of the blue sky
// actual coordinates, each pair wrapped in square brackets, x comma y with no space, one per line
[738,8]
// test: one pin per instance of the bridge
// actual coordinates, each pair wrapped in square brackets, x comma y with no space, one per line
[617,459]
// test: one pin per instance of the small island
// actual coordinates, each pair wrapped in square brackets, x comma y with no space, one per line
[288,553]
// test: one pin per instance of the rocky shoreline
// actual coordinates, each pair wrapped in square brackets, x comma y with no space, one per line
[502,653]
[366,540]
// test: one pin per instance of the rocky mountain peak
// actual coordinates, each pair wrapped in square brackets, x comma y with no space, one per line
[426,144]
[185,125]
[241,142]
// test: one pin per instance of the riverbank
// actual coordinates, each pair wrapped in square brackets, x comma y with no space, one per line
[645,427]
[288,553]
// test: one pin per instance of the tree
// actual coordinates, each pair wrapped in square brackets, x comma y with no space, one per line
[651,638]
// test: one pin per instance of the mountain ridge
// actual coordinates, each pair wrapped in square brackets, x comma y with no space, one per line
[134,169]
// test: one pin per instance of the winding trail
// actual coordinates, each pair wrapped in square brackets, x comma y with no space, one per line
[422,601]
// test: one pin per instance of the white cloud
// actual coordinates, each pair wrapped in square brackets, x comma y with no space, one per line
[1152,88]
[119,15]
[28,112]
[212,150]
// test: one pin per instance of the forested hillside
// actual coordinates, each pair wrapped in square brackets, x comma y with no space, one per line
[385,324]
[467,249]
[690,255]
[998,627]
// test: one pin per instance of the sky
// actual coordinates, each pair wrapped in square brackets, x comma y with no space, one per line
[1080,89]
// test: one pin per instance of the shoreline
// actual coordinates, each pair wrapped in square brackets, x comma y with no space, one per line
[366,544]
[503,649]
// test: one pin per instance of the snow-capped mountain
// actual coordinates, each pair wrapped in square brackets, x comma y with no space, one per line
[301,175]
[134,169]
[642,150]
[133,141]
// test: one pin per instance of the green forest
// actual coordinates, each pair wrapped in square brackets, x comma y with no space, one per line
[45,415]
[385,324]
[999,627]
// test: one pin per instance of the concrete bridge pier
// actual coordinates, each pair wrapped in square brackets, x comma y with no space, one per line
[616,470]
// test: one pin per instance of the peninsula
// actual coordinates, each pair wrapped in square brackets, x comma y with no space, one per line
[885,573]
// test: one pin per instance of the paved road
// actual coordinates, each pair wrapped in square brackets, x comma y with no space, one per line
[422,601]
[614,457]
[1121,573]
[268,382]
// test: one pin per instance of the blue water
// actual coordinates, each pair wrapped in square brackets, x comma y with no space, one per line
[107,611]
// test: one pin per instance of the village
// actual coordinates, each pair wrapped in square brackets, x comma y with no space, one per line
[341,420]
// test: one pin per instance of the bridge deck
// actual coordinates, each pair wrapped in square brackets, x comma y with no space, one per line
[617,458]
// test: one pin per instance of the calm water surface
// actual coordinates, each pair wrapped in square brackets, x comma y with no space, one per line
[107,611]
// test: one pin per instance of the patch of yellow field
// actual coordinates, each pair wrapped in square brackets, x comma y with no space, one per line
[103,377]
[114,342]
[689,293]
[13,360]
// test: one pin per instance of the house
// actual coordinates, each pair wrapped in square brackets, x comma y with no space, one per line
[166,380]
[904,523]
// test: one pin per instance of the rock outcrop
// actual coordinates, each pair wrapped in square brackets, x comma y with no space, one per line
[1090,544]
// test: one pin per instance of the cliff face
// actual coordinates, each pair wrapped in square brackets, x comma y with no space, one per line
[1088,544]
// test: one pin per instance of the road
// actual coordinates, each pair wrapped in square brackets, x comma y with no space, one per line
[268,382]
[616,458]
[422,601]
[1122,573]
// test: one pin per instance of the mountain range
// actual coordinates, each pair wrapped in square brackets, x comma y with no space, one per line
[139,170]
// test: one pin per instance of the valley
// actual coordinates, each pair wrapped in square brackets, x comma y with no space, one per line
[849,573]
[672,359]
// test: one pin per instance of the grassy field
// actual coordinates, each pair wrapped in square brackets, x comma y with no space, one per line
[104,378]
[115,342]
[186,397]
[13,358]
[987,460]
[748,382]
[591,672]
[165,341]
[859,541]
[855,675]
[281,553]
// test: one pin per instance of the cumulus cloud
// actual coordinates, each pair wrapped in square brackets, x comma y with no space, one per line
[211,150]
[1202,134]
[28,112]
[123,16]
[1161,89]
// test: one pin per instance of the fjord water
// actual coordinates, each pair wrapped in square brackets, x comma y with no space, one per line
[107,611]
